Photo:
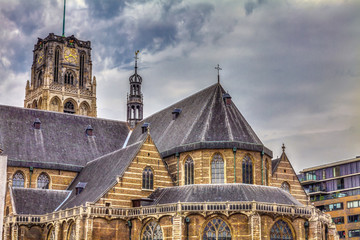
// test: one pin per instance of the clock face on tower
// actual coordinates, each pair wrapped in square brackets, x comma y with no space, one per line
[70,55]
[40,58]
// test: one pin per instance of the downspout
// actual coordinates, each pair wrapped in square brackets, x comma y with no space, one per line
[262,168]
[31,169]
[130,226]
[234,151]
[178,159]
[187,221]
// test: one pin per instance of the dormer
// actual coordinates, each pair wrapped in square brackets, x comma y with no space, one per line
[176,112]
[37,123]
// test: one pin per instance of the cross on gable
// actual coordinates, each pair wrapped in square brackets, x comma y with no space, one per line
[218,68]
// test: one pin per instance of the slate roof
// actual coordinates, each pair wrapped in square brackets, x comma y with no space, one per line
[61,143]
[37,201]
[222,193]
[101,174]
[275,164]
[205,121]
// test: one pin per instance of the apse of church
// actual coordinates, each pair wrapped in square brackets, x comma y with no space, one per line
[61,77]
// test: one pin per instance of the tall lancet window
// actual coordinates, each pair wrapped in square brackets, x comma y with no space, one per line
[217,169]
[82,66]
[189,171]
[247,170]
[148,179]
[56,65]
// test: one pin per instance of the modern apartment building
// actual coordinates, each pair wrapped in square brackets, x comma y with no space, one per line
[335,188]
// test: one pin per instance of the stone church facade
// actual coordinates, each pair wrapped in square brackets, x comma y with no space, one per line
[194,170]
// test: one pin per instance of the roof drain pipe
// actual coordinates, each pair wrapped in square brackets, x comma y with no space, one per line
[31,169]
[187,221]
[178,159]
[262,167]
[234,151]
[130,226]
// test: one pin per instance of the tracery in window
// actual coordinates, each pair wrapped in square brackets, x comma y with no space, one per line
[216,229]
[147,179]
[285,186]
[72,232]
[69,78]
[217,169]
[18,179]
[69,107]
[189,171]
[51,235]
[281,231]
[43,181]
[247,170]
[152,231]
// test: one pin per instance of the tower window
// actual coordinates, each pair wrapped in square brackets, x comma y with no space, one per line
[39,79]
[217,169]
[69,107]
[56,65]
[147,179]
[18,179]
[247,169]
[69,78]
[43,181]
[189,171]
[82,65]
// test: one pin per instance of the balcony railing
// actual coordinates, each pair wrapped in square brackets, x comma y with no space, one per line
[102,211]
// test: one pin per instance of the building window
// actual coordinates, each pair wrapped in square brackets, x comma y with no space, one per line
[217,229]
[331,207]
[286,186]
[354,233]
[56,65]
[81,76]
[43,181]
[353,204]
[353,218]
[247,169]
[18,179]
[340,183]
[217,169]
[40,79]
[147,179]
[281,231]
[69,107]
[51,235]
[338,220]
[311,175]
[152,231]
[189,171]
[72,232]
[69,78]
[341,234]
[336,171]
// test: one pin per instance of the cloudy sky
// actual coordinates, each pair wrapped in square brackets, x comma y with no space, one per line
[291,66]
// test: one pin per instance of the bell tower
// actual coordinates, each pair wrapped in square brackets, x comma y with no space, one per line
[135,98]
[61,76]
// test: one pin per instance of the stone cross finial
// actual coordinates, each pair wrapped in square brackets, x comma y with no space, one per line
[218,68]
[283,147]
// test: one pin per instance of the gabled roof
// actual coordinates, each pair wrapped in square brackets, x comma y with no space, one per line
[101,174]
[61,143]
[222,193]
[37,201]
[275,164]
[205,121]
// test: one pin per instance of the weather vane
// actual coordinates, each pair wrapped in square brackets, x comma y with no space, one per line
[218,68]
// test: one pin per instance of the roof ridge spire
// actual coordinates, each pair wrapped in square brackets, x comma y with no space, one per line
[136,58]
[218,68]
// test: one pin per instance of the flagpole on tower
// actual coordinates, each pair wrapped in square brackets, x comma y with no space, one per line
[63,33]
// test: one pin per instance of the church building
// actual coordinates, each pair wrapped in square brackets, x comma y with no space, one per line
[194,170]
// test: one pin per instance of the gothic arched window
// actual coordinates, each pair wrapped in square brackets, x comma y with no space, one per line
[217,169]
[43,181]
[56,65]
[82,70]
[189,171]
[72,232]
[286,186]
[18,179]
[69,78]
[147,178]
[152,231]
[51,235]
[216,229]
[247,170]
[281,231]
[69,107]
[39,79]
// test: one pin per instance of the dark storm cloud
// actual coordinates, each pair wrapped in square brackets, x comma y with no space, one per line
[105,9]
